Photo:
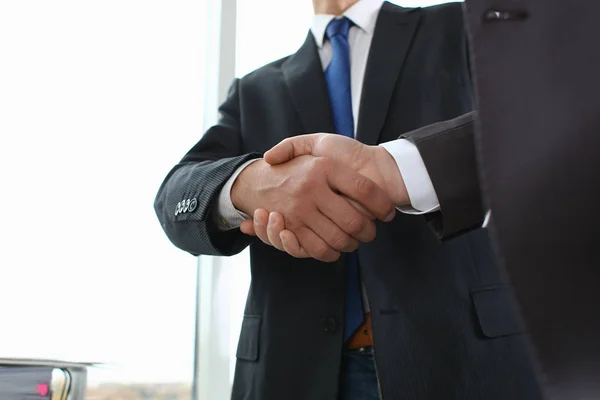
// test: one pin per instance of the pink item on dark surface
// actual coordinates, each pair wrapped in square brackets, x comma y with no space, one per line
[43,389]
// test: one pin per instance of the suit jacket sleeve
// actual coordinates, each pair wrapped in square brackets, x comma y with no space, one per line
[448,151]
[200,175]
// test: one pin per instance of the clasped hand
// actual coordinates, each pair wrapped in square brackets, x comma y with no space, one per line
[317,195]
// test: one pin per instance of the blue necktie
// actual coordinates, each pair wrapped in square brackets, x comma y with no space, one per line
[337,77]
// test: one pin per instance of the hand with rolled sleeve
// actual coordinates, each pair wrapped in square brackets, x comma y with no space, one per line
[383,164]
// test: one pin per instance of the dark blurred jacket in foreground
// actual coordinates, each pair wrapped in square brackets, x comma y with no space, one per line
[537,67]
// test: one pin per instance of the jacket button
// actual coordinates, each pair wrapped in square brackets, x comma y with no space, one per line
[330,324]
[193,205]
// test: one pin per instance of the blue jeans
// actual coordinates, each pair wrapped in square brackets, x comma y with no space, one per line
[358,380]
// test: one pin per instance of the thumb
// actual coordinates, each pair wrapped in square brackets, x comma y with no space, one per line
[291,148]
[247,227]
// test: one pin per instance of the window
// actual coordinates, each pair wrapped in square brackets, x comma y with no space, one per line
[98,100]
[267,31]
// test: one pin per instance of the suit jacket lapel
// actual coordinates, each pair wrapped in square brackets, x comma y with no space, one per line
[393,35]
[303,75]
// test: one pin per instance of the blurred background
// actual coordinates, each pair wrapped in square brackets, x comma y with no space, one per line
[98,100]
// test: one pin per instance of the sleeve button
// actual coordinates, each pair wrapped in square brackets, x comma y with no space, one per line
[193,205]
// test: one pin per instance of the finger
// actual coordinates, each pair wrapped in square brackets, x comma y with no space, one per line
[360,208]
[332,234]
[315,246]
[362,190]
[274,227]
[347,218]
[291,244]
[247,227]
[291,148]
[261,218]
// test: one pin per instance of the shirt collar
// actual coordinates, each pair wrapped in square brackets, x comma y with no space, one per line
[362,14]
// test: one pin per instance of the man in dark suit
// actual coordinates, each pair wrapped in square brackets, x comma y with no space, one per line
[436,319]
[537,79]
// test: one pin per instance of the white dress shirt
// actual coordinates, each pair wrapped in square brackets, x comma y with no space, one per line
[418,184]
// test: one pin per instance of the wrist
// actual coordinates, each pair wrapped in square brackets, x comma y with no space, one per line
[393,183]
[243,190]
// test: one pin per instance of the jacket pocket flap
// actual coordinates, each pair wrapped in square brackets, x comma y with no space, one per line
[497,311]
[249,337]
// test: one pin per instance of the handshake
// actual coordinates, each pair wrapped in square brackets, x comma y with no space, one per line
[317,195]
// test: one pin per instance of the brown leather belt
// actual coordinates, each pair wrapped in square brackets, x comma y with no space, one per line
[363,336]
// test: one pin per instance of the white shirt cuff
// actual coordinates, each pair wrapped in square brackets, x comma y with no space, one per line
[227,216]
[421,193]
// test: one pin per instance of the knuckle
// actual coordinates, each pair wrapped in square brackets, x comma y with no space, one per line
[352,246]
[334,257]
[341,242]
[321,251]
[323,139]
[306,183]
[290,209]
[370,232]
[320,164]
[365,187]
[355,224]
[288,205]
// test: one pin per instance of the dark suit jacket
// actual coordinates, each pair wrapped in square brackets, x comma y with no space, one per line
[444,320]
[538,78]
